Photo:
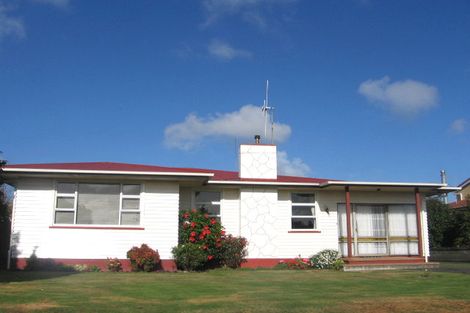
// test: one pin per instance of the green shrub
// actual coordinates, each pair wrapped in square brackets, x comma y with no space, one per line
[448,228]
[143,259]
[338,265]
[189,257]
[282,265]
[325,259]
[94,268]
[233,251]
[114,265]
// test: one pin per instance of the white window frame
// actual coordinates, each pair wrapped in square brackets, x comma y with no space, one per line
[219,203]
[125,197]
[66,195]
[305,204]
[75,208]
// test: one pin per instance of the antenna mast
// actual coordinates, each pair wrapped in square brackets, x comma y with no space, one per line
[267,110]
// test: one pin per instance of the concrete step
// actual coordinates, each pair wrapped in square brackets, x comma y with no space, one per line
[383,260]
[389,266]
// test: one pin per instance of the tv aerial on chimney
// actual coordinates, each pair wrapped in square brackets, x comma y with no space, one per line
[268,114]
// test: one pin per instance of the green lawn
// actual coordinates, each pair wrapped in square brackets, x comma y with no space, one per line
[236,291]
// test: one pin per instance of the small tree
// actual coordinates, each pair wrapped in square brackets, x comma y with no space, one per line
[462,228]
[5,218]
[448,228]
[440,224]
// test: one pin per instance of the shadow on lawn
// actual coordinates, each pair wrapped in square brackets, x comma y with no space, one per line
[21,276]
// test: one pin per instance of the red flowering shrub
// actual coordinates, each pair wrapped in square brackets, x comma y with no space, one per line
[295,264]
[143,259]
[202,238]
[196,227]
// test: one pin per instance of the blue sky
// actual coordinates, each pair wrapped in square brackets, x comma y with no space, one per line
[363,90]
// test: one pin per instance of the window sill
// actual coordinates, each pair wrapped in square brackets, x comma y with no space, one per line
[96,227]
[313,231]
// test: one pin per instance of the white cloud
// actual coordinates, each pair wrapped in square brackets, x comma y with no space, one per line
[10,26]
[242,124]
[251,11]
[406,97]
[458,126]
[291,167]
[57,3]
[224,51]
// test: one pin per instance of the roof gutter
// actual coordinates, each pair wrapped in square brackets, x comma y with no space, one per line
[384,184]
[57,171]
[439,187]
[262,183]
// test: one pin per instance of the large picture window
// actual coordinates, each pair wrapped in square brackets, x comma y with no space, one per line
[303,211]
[208,201]
[97,204]
[379,229]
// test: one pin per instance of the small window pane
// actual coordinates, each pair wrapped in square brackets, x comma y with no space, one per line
[130,204]
[211,209]
[303,223]
[130,218]
[303,198]
[65,203]
[65,188]
[64,217]
[207,196]
[302,210]
[131,190]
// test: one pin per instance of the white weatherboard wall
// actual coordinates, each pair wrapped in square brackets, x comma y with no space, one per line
[34,205]
[230,211]
[258,161]
[293,244]
[260,214]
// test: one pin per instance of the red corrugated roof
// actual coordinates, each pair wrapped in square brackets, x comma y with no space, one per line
[126,167]
[105,166]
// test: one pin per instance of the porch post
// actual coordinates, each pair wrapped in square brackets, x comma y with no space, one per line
[418,221]
[348,221]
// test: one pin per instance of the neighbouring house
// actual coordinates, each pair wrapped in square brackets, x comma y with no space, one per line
[86,212]
[462,196]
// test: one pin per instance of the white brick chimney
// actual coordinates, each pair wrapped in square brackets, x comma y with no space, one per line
[258,161]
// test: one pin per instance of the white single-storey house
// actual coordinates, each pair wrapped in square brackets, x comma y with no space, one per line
[84,213]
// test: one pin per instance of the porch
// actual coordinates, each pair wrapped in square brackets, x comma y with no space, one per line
[375,236]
